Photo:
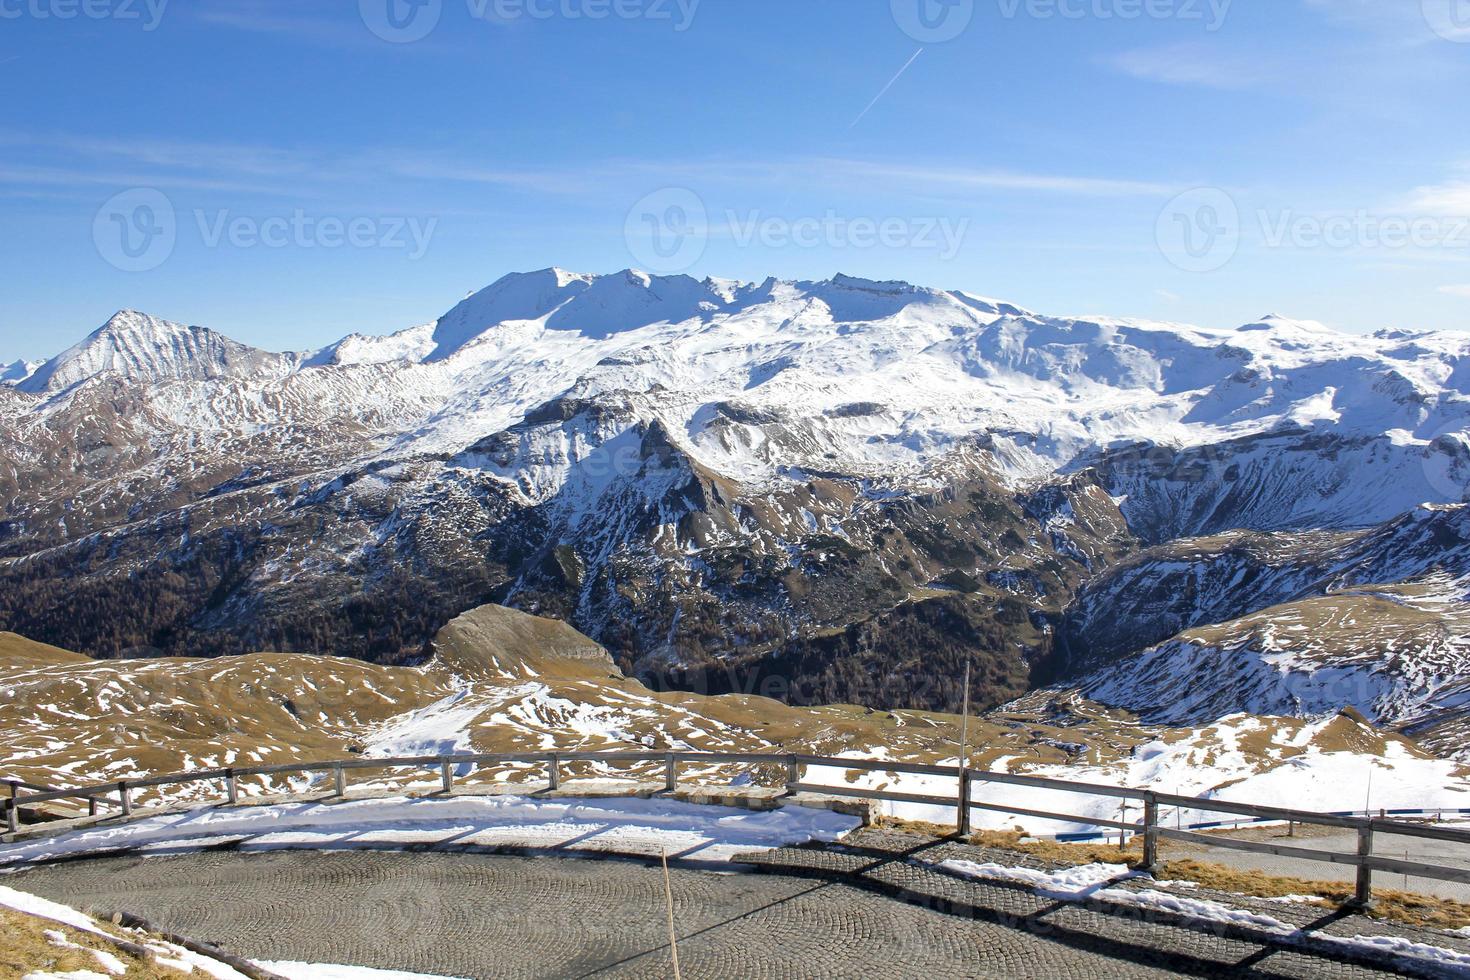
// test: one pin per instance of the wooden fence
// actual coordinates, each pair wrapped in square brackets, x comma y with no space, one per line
[1368,829]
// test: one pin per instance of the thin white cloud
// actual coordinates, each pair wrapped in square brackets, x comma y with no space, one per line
[420,167]
[281,19]
[1188,64]
[961,178]
[1462,290]
[28,176]
[1448,199]
[234,158]
[51,159]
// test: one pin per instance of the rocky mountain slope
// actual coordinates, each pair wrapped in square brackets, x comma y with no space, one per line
[497,680]
[821,491]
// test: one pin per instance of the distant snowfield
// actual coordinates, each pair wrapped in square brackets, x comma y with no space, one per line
[680,830]
[1212,766]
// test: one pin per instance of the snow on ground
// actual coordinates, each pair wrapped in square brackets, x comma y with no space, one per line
[682,830]
[1097,883]
[167,954]
[171,955]
[1210,765]
[330,971]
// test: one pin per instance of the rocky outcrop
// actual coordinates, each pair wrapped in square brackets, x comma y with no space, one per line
[507,641]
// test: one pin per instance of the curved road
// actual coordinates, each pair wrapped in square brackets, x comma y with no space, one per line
[487,915]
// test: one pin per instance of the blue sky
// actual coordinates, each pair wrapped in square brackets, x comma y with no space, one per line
[316,179]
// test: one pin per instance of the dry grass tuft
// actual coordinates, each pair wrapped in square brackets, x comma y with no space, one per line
[25,948]
[1389,905]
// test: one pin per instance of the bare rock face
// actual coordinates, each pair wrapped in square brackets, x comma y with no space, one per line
[506,641]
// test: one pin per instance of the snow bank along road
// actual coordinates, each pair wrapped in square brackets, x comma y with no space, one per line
[687,831]
[828,911]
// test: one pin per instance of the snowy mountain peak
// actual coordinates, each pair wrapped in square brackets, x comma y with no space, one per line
[1277,322]
[596,306]
[139,347]
[16,372]
[891,286]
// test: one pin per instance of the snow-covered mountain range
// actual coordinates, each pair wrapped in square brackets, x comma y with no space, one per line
[846,486]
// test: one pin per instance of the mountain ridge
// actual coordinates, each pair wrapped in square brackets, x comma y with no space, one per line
[724,483]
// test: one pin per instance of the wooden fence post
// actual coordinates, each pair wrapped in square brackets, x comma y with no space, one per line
[793,774]
[1364,894]
[126,796]
[446,776]
[232,787]
[1150,832]
[671,773]
[12,812]
[553,772]
[962,805]
[339,779]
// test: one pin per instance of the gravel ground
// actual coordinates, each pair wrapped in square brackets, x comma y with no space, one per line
[870,909]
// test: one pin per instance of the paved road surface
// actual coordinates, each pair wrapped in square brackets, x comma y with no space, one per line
[482,915]
[1343,842]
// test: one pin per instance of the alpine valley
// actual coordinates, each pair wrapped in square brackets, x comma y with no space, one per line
[824,493]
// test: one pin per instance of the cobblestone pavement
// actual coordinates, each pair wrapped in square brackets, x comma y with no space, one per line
[871,909]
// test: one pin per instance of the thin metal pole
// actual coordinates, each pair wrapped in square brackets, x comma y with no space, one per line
[962,805]
[669,904]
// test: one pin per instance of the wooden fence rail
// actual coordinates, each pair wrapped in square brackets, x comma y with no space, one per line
[23,796]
